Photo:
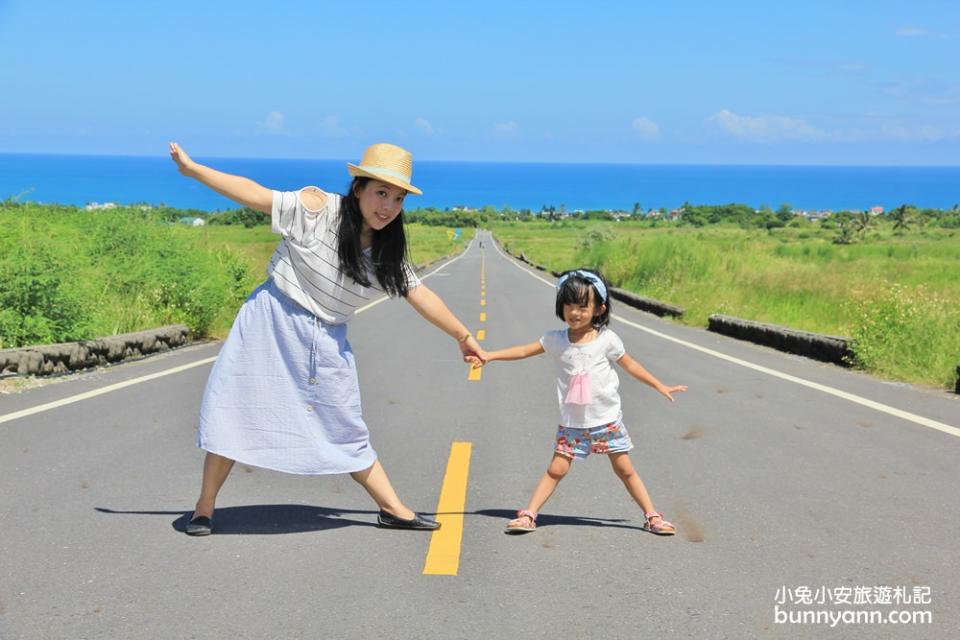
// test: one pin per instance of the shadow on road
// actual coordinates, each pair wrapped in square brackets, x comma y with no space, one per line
[548,520]
[264,519]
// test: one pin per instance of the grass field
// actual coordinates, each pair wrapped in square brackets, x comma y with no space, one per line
[897,296]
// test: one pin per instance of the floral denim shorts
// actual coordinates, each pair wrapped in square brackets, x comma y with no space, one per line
[580,443]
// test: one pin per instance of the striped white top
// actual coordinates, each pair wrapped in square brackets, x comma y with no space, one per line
[305,266]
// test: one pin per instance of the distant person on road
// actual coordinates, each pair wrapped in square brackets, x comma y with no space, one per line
[590,417]
[283,393]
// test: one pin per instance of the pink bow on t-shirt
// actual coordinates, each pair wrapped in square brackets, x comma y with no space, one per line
[579,390]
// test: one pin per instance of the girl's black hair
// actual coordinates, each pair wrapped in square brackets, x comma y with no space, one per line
[387,254]
[576,290]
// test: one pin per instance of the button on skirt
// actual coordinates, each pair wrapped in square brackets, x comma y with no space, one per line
[283,393]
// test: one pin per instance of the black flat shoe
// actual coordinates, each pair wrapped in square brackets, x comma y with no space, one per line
[200,526]
[418,521]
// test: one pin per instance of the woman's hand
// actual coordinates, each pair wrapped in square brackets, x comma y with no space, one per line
[241,190]
[184,164]
[472,352]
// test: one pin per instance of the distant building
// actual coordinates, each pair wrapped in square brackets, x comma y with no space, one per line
[92,206]
[876,211]
[816,216]
[193,222]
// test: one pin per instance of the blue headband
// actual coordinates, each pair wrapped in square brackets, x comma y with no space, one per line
[589,277]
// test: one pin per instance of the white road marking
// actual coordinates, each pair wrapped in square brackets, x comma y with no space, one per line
[99,392]
[883,408]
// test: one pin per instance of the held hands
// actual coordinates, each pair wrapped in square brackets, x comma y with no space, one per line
[473,354]
[184,164]
[474,361]
[669,391]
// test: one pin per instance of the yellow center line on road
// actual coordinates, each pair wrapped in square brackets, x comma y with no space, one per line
[443,556]
[475,375]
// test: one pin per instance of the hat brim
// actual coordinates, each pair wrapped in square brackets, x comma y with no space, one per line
[357,172]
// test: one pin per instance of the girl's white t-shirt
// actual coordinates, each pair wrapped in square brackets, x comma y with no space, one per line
[596,359]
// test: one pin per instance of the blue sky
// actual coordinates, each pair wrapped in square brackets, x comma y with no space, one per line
[814,82]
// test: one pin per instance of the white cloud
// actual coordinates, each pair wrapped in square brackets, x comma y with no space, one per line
[774,128]
[646,128]
[765,128]
[424,126]
[274,123]
[506,129]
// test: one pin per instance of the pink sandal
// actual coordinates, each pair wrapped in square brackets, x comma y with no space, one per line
[525,522]
[661,528]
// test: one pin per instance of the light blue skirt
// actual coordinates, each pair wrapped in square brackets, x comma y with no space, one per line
[283,393]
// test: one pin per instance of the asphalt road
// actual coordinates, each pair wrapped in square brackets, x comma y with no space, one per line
[777,474]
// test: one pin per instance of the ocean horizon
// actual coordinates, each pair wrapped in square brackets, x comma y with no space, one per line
[83,179]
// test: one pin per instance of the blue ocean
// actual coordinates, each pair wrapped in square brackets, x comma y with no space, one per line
[80,180]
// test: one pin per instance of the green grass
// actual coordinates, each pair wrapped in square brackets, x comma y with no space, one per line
[68,274]
[897,296]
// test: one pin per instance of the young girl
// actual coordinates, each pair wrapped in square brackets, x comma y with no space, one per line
[283,393]
[590,417]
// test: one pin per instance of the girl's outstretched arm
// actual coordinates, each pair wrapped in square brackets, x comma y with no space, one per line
[634,368]
[431,306]
[237,188]
[512,353]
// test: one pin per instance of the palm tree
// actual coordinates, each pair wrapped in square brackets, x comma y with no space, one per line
[845,227]
[863,222]
[901,219]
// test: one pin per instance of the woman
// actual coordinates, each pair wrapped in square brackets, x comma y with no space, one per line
[283,393]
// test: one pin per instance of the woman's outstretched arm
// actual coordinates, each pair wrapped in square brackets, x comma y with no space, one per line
[431,306]
[239,189]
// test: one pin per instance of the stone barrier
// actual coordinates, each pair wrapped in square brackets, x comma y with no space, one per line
[649,305]
[821,347]
[51,359]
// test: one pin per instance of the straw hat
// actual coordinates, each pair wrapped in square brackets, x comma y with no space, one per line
[387,163]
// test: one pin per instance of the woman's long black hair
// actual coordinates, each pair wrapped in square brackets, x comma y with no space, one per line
[388,253]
